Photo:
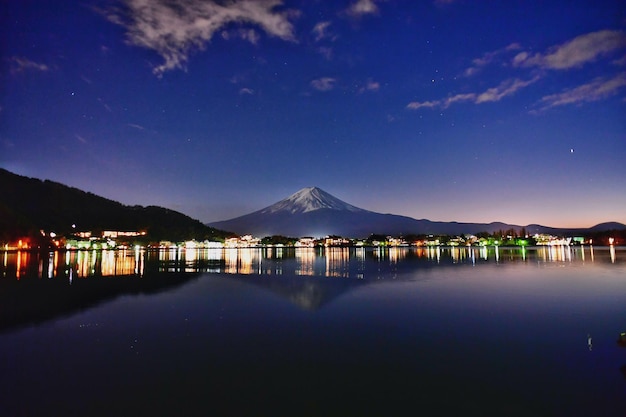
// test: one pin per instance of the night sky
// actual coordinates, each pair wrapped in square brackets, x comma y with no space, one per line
[449,110]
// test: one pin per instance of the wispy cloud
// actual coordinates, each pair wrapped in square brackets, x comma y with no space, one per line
[620,61]
[320,31]
[247,91]
[415,105]
[504,89]
[571,54]
[106,106]
[20,64]
[324,84]
[488,58]
[598,89]
[174,29]
[362,7]
[458,99]
[249,35]
[370,85]
[576,52]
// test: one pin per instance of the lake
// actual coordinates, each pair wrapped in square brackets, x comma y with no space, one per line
[314,332]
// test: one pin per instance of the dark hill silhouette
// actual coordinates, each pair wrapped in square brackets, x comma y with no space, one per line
[29,205]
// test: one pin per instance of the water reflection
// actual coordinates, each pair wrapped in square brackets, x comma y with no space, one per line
[452,322]
[353,264]
[328,262]
[612,251]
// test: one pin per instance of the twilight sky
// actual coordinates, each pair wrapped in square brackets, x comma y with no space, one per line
[450,110]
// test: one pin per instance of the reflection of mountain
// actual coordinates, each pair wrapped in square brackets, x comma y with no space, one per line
[307,292]
[312,279]
[309,278]
[311,283]
[33,300]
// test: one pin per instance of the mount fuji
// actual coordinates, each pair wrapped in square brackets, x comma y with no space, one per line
[316,213]
[310,199]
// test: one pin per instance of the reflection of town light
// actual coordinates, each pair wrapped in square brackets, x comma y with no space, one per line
[19,264]
[612,252]
[51,261]
[306,259]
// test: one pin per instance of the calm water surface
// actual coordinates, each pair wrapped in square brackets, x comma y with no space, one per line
[314,332]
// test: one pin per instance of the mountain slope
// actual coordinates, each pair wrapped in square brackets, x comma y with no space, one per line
[29,205]
[307,200]
[314,212]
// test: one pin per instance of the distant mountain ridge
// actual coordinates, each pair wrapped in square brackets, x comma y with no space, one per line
[313,212]
[29,205]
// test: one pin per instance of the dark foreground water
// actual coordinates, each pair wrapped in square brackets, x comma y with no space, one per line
[285,332]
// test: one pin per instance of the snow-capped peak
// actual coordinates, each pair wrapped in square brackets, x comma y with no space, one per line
[310,199]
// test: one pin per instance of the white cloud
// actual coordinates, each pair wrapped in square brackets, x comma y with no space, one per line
[504,89]
[19,64]
[414,105]
[443,103]
[174,29]
[520,58]
[370,85]
[362,7]
[513,47]
[246,90]
[324,84]
[489,57]
[249,35]
[458,98]
[576,52]
[320,30]
[598,89]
